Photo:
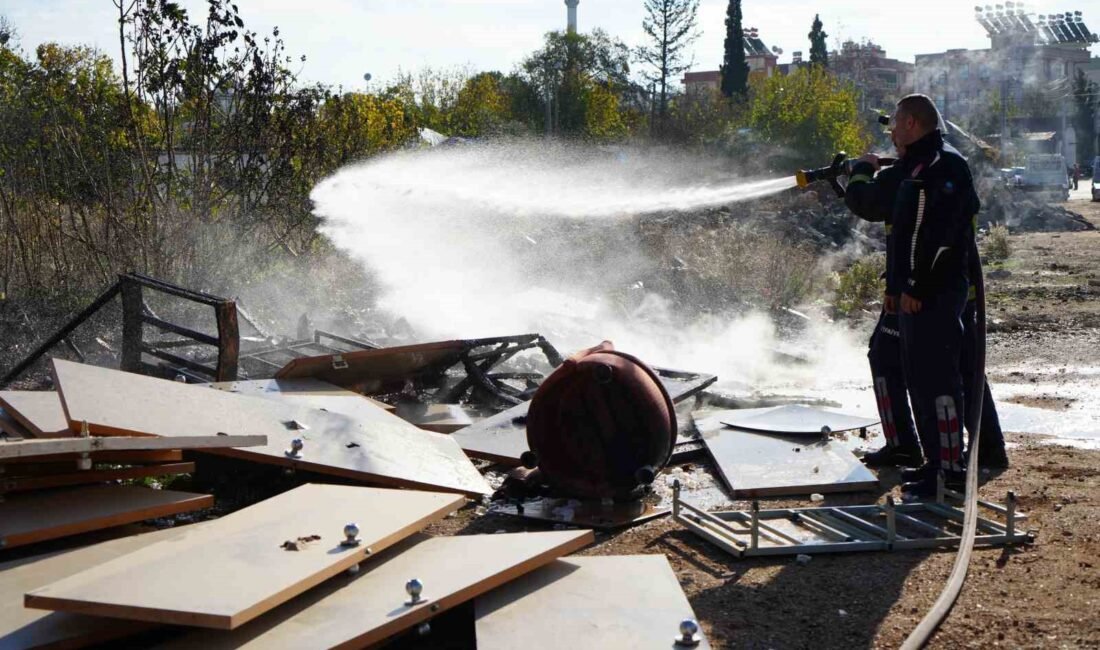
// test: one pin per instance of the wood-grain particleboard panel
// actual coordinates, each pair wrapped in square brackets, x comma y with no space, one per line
[441,418]
[57,448]
[370,372]
[501,438]
[38,410]
[364,609]
[625,601]
[64,479]
[29,518]
[310,393]
[230,571]
[120,457]
[22,627]
[382,449]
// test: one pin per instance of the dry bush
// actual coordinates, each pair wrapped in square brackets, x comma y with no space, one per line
[726,265]
[997,248]
[859,286]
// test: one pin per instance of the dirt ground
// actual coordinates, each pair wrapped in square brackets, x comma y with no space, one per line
[1047,310]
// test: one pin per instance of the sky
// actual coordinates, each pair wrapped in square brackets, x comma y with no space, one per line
[343,39]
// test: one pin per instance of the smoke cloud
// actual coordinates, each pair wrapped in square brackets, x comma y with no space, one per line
[487,240]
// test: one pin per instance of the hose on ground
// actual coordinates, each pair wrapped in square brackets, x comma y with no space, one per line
[919,637]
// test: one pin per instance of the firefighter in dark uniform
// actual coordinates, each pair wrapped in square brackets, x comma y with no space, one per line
[873,201]
[931,212]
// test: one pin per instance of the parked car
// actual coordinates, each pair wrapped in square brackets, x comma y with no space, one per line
[1045,174]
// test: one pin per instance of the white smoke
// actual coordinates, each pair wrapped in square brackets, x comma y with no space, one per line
[488,240]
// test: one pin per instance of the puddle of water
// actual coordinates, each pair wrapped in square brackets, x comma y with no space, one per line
[1079,425]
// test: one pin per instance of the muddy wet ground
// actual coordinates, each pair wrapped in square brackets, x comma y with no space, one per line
[1046,332]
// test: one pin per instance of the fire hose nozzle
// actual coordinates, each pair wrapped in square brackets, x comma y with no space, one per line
[841,166]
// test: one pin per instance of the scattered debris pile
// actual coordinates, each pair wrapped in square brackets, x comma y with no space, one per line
[1022,212]
[338,559]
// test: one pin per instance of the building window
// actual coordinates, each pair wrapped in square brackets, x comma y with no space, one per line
[964,71]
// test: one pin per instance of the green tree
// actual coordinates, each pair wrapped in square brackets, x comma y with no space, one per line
[734,68]
[819,51]
[481,107]
[1086,100]
[603,117]
[8,32]
[669,26]
[807,115]
[567,69]
[357,125]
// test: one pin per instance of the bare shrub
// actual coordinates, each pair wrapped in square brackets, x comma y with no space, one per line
[997,248]
[859,286]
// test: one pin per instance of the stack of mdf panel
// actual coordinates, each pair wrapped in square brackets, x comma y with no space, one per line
[55,482]
[310,426]
[317,566]
[325,566]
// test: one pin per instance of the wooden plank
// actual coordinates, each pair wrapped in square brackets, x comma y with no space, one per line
[39,411]
[626,601]
[53,447]
[22,627]
[795,419]
[122,457]
[29,518]
[383,450]
[759,464]
[184,581]
[24,484]
[361,610]
[311,393]
[371,372]
[441,418]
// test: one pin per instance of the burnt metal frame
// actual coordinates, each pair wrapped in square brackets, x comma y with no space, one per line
[849,528]
[478,365]
[135,315]
[477,362]
[295,348]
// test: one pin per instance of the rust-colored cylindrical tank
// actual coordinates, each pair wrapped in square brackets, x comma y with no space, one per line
[600,426]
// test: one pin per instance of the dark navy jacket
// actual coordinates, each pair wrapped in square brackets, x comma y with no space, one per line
[928,203]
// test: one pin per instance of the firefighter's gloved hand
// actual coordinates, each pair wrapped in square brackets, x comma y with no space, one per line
[890,303]
[909,304]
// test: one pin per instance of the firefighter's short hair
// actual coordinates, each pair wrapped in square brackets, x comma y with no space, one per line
[920,108]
